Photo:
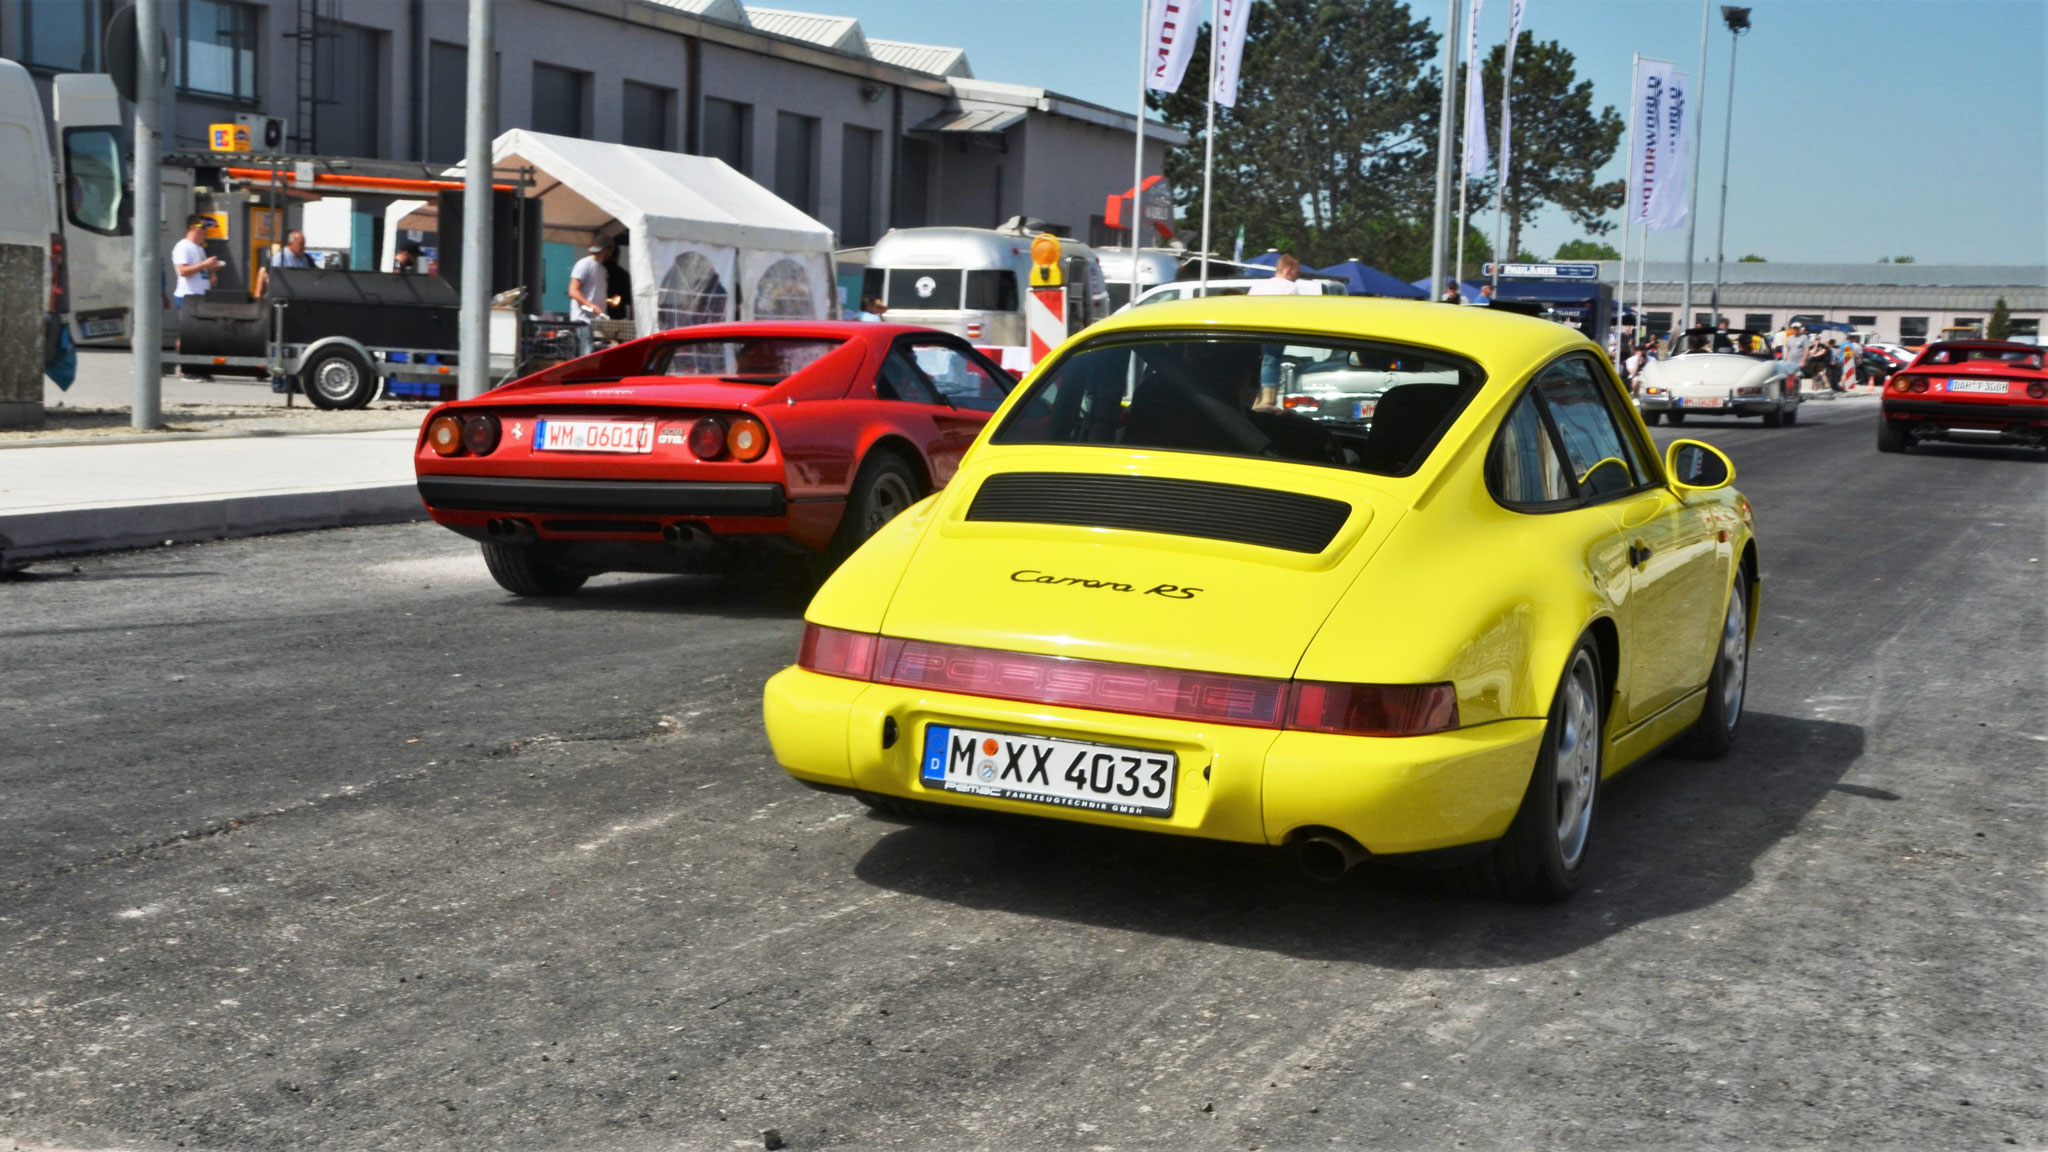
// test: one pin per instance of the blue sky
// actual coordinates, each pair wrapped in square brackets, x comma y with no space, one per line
[1863,128]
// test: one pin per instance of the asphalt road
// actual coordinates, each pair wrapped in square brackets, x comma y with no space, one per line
[322,842]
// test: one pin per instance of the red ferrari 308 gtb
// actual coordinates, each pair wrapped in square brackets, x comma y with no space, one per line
[1982,391]
[671,452]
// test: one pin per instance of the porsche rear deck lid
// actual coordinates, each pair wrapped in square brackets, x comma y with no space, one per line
[1234,512]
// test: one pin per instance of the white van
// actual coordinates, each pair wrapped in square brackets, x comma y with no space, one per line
[32,282]
[94,163]
[971,281]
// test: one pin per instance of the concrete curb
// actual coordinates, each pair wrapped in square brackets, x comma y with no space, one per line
[74,531]
[173,437]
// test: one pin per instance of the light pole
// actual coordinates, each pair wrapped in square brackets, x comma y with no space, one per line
[1738,23]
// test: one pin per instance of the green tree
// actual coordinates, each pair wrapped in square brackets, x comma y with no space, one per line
[1586,250]
[1559,143]
[2000,325]
[1752,258]
[1329,152]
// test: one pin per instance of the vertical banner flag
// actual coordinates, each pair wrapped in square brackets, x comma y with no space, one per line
[1169,38]
[1475,98]
[1665,104]
[1507,86]
[1228,42]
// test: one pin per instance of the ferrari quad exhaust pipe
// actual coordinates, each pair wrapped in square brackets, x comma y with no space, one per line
[1326,855]
[686,535]
[511,530]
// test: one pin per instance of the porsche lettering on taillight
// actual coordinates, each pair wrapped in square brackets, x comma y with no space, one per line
[1132,689]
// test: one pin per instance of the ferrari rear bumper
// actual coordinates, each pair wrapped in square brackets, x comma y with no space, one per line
[642,497]
[1965,411]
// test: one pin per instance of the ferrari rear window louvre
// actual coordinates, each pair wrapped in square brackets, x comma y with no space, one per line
[1264,517]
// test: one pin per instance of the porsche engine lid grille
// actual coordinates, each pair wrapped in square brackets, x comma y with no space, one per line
[1234,512]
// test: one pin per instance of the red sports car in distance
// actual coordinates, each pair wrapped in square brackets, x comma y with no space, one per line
[675,452]
[1967,391]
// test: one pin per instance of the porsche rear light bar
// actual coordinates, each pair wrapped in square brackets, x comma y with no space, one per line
[1133,689]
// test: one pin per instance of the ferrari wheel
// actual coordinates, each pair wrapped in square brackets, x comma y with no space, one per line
[1675,417]
[1713,734]
[1890,437]
[1543,856]
[518,572]
[883,490]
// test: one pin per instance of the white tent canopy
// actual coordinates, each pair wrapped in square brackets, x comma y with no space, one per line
[697,229]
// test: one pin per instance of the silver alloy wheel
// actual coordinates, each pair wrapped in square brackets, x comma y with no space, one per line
[1577,759]
[1734,655]
[887,499]
[337,378]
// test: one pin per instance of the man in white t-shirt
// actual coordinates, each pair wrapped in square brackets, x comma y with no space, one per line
[1286,279]
[191,263]
[588,283]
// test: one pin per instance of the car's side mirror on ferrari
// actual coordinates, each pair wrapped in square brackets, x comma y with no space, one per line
[1697,466]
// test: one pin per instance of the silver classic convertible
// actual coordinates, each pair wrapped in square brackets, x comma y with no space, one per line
[1719,384]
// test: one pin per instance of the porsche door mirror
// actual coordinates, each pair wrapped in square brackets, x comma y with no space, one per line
[1694,465]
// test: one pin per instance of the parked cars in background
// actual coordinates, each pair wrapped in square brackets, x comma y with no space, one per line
[688,450]
[1976,391]
[1311,285]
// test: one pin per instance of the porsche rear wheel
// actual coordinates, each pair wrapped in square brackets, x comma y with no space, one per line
[1543,856]
[517,571]
[1713,734]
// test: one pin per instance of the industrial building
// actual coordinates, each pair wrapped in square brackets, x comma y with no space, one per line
[862,134]
[1900,303]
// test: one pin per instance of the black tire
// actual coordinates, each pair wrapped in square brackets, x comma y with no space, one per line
[1652,418]
[1675,417]
[885,486]
[1775,418]
[1543,856]
[1792,415]
[519,572]
[338,378]
[1713,734]
[1890,437]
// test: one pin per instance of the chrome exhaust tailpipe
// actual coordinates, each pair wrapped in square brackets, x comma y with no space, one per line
[1328,855]
[511,530]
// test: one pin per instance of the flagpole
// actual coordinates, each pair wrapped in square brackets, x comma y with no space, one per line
[1628,185]
[1444,137]
[1209,141]
[1138,166]
[1692,177]
[1471,35]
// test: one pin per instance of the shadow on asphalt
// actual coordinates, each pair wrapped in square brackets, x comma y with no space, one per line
[727,597]
[1963,451]
[1673,836]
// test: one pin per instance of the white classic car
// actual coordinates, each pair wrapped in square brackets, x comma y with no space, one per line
[1718,384]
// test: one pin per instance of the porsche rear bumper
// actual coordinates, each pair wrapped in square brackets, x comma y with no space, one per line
[1251,785]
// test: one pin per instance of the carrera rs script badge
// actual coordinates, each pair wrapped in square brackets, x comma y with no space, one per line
[1169,591]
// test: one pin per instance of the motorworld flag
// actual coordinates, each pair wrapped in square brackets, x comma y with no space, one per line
[1169,37]
[1660,153]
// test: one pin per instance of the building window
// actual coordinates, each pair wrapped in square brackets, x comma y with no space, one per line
[1757,321]
[2027,329]
[561,101]
[1703,319]
[729,132]
[1912,331]
[1862,323]
[62,35]
[216,49]
[348,75]
[796,160]
[857,187]
[1659,323]
[1969,322]
[647,116]
[447,101]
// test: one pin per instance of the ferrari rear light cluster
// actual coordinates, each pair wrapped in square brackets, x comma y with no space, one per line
[1909,383]
[2038,390]
[476,433]
[743,439]
[1133,689]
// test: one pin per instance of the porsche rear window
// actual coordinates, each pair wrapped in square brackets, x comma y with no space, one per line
[757,360]
[1368,407]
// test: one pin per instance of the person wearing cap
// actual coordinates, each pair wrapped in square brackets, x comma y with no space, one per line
[588,283]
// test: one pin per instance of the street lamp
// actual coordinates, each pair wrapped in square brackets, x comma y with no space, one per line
[1737,20]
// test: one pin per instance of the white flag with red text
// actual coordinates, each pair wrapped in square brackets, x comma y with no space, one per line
[1475,99]
[1228,43]
[1507,86]
[1169,37]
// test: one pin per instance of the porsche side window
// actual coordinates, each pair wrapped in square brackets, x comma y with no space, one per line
[1598,455]
[1525,466]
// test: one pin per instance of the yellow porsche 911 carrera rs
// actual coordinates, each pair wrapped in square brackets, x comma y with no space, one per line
[1359,578]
